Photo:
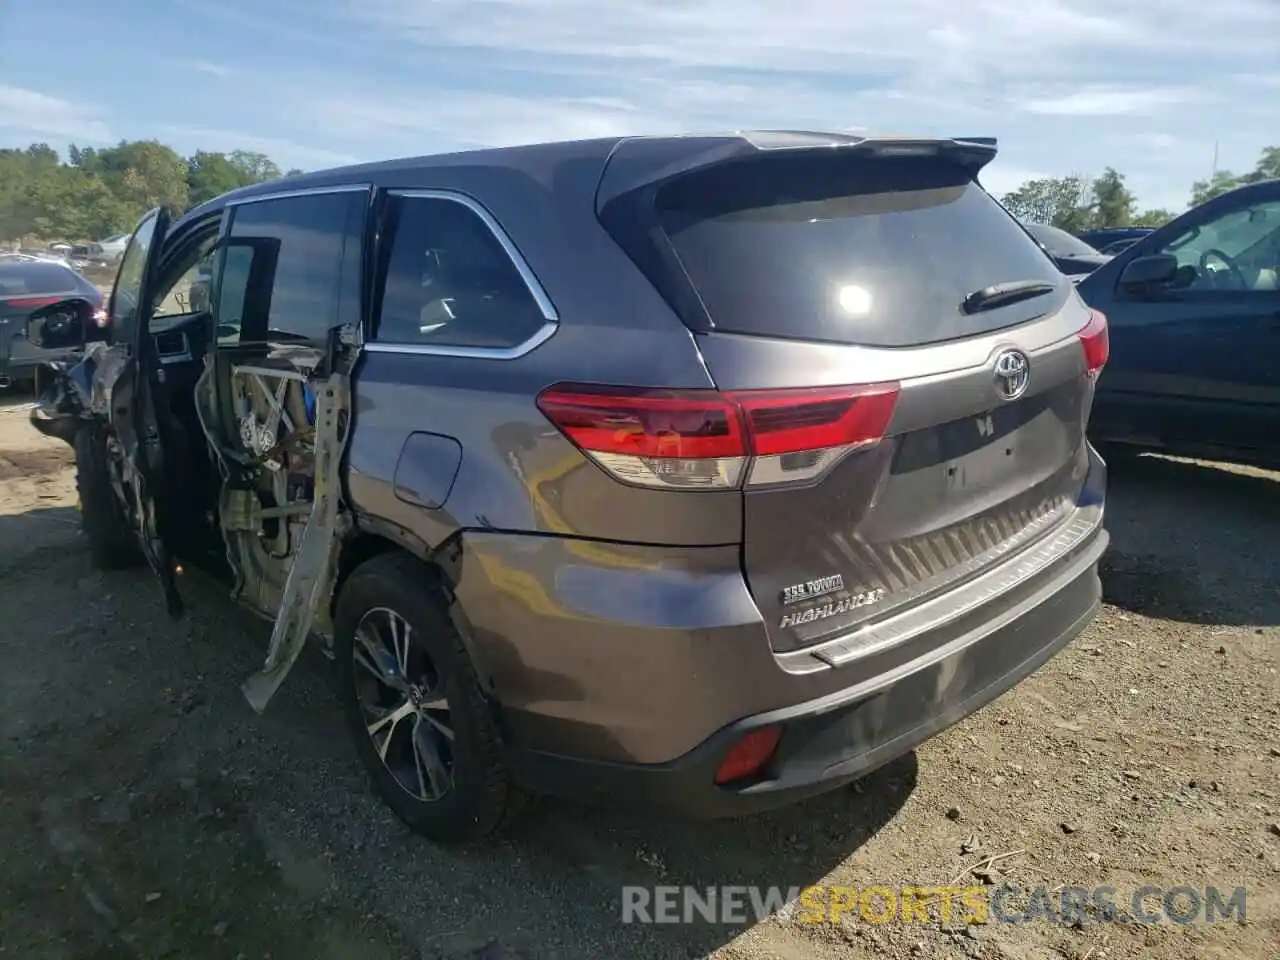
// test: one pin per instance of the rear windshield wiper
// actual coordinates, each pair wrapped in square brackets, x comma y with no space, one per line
[1001,294]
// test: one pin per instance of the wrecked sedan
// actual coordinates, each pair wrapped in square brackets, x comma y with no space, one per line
[26,284]
[600,468]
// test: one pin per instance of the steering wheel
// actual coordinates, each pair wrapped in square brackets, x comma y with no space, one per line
[1215,253]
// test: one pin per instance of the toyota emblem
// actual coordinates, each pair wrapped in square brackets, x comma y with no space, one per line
[1012,374]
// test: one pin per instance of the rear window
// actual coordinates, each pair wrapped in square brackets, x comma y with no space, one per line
[36,278]
[879,252]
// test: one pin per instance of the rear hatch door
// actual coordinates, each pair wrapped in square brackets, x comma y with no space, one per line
[938,383]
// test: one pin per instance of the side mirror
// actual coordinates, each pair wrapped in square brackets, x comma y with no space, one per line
[60,326]
[1144,273]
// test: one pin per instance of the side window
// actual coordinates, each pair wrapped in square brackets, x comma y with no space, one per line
[449,281]
[291,270]
[236,262]
[1238,250]
[190,292]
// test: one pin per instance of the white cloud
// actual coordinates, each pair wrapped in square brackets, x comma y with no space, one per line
[31,115]
[205,66]
[1100,101]
[939,37]
[758,34]
[1066,85]
[477,120]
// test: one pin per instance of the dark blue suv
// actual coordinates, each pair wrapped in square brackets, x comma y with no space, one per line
[1194,311]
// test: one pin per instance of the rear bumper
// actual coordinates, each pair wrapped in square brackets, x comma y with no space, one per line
[833,740]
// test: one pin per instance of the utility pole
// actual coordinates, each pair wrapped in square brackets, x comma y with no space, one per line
[1214,172]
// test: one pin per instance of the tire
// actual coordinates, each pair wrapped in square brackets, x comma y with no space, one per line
[480,799]
[111,541]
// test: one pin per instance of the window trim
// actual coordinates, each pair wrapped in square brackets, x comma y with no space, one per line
[301,192]
[209,229]
[527,276]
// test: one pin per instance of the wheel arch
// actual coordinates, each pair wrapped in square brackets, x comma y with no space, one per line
[372,537]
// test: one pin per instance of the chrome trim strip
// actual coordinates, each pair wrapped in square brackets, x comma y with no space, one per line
[541,336]
[531,282]
[957,601]
[301,192]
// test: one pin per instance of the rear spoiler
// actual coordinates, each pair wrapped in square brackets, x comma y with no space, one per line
[639,162]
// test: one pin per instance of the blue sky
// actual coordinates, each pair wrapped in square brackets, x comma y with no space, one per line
[1147,86]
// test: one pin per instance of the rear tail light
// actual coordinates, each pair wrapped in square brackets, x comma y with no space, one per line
[749,755]
[1095,342]
[710,439]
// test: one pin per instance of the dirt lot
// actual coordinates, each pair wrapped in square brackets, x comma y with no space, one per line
[146,812]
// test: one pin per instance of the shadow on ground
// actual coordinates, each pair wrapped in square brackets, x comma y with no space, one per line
[33,540]
[147,811]
[1208,532]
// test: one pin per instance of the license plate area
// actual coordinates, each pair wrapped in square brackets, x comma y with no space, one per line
[980,467]
[979,452]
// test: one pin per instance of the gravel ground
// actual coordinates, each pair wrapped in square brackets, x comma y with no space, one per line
[145,811]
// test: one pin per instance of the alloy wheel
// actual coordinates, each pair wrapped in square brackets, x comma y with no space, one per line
[402,699]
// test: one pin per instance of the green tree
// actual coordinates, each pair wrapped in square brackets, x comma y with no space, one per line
[147,174]
[1058,201]
[103,191]
[1154,218]
[1223,181]
[1112,203]
[1268,167]
[210,175]
[254,167]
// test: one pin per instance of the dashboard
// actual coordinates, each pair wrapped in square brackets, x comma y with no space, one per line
[181,342]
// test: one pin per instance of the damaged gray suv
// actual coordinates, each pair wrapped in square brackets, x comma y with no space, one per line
[708,473]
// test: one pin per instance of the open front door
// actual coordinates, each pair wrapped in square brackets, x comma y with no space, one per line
[138,414]
[275,405]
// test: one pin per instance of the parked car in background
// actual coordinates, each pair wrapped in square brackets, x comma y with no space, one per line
[27,285]
[1194,311]
[103,251]
[35,256]
[1115,246]
[681,474]
[1104,236]
[1073,257]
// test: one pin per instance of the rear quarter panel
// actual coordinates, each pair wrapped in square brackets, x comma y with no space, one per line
[517,472]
